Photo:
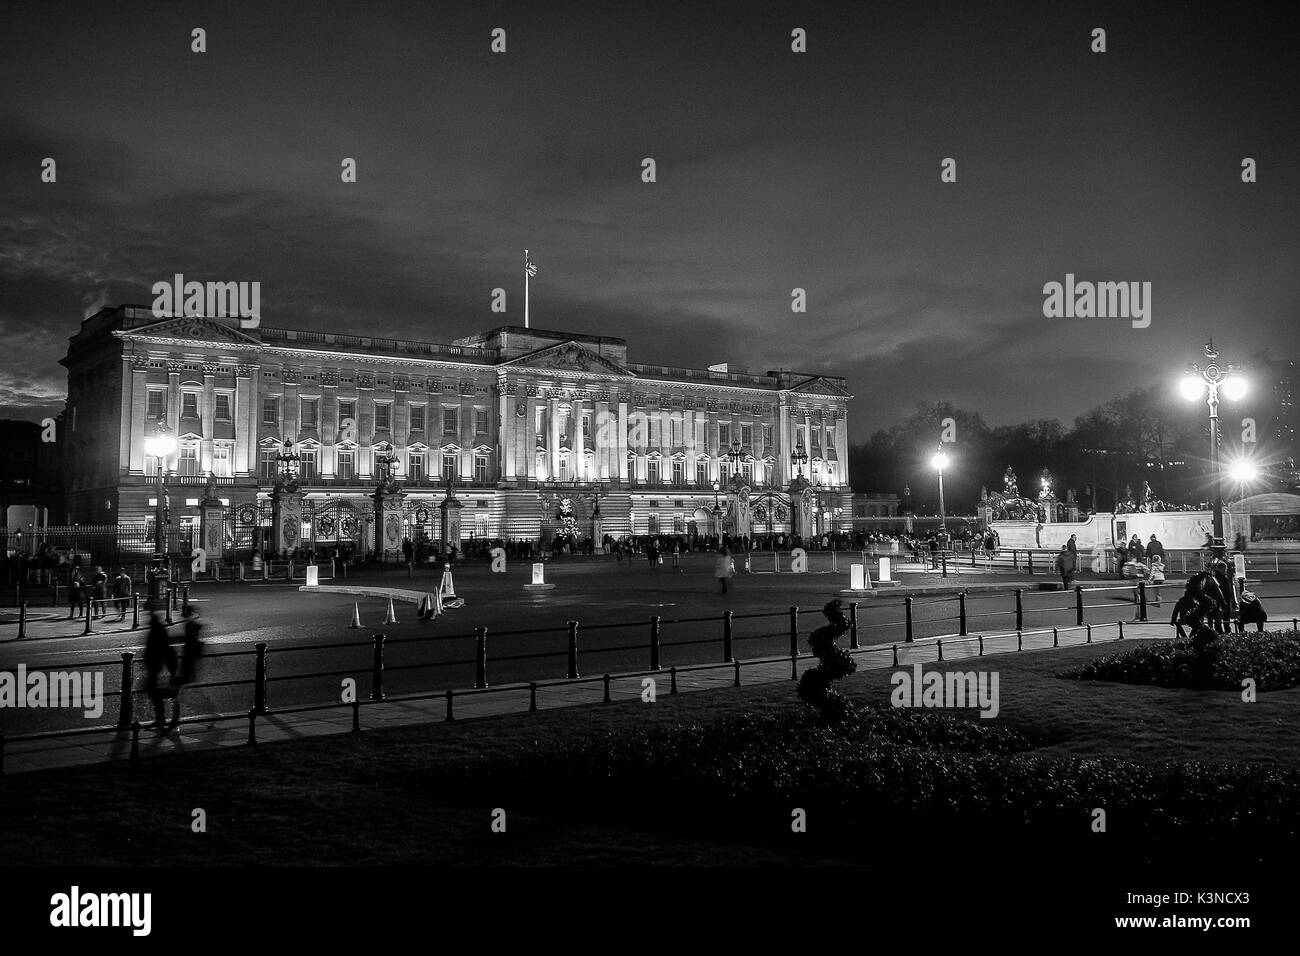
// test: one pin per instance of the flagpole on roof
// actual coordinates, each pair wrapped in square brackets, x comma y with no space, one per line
[527,263]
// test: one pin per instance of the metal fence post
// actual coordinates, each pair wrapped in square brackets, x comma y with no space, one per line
[654,643]
[480,657]
[377,667]
[939,645]
[1142,600]
[126,709]
[853,625]
[259,680]
[907,604]
[22,620]
[1020,608]
[90,613]
[1030,558]
[961,612]
[794,641]
[185,599]
[1078,605]
[135,610]
[573,650]
[726,638]
[1056,638]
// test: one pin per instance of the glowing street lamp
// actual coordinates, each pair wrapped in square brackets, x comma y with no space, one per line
[160,445]
[1243,471]
[939,462]
[1205,382]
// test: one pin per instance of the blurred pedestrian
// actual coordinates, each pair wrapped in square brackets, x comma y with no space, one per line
[158,654]
[191,651]
[76,590]
[1067,562]
[121,592]
[723,567]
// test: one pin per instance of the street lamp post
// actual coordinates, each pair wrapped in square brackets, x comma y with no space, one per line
[1205,382]
[940,462]
[159,445]
[717,517]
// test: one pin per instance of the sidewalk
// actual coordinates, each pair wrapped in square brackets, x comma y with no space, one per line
[205,734]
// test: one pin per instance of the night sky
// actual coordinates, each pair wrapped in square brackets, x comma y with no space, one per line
[775,170]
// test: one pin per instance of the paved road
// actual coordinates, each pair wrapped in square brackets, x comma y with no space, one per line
[308,633]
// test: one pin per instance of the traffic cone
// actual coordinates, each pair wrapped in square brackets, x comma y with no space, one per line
[437,604]
[356,616]
[392,618]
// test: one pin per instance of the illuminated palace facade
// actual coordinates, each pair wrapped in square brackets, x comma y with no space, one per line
[524,419]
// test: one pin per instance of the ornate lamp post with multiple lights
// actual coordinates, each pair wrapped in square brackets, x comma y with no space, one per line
[800,496]
[1205,383]
[159,445]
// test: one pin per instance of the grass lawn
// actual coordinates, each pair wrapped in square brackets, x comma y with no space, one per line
[415,795]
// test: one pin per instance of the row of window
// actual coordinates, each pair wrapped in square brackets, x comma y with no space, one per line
[345,465]
[309,415]
[157,405]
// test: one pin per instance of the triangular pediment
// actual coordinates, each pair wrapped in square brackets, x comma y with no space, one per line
[820,386]
[193,328]
[568,356]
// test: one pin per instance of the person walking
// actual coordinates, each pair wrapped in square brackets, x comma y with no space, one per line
[99,592]
[1157,574]
[191,651]
[1067,562]
[723,568]
[121,592]
[158,654]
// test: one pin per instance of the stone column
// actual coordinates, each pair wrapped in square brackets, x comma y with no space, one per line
[286,520]
[450,522]
[553,438]
[207,417]
[245,423]
[602,432]
[621,430]
[505,436]
[137,410]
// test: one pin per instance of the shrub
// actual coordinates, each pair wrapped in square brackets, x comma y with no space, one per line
[1272,658]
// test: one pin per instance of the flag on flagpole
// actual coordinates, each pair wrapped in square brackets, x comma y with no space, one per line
[529,267]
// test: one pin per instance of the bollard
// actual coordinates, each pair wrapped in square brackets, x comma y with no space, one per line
[1121,630]
[1142,600]
[356,716]
[135,740]
[1089,638]
[126,709]
[1020,641]
[654,643]
[135,610]
[672,673]
[1078,605]
[532,697]
[606,679]
[573,650]
[939,645]
[736,665]
[794,641]
[185,602]
[377,667]
[480,657]
[1020,608]
[853,626]
[1056,638]
[22,620]
[895,655]
[450,714]
[907,604]
[259,680]
[90,612]
[726,637]
[981,640]
[961,612]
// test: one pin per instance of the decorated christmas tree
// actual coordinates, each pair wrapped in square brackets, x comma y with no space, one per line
[568,525]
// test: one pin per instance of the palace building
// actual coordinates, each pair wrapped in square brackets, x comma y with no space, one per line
[526,423]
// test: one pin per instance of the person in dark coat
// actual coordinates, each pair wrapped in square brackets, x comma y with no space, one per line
[158,654]
[1067,562]
[1252,611]
[99,592]
[122,592]
[76,590]
[1228,592]
[1154,547]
